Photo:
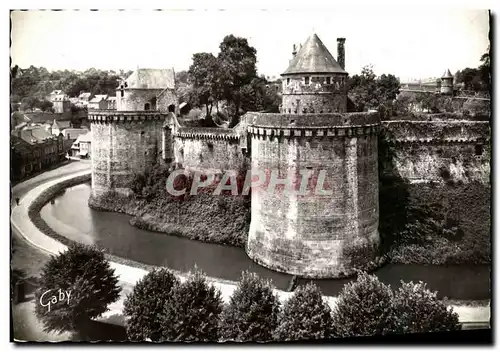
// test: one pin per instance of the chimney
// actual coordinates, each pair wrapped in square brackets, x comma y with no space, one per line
[294,50]
[341,52]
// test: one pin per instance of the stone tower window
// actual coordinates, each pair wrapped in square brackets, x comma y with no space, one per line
[479,150]
[287,81]
[306,80]
[147,106]
[328,80]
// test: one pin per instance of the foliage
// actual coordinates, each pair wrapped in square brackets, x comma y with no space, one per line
[38,82]
[364,308]
[419,310]
[368,91]
[85,273]
[204,76]
[252,311]
[192,314]
[305,316]
[237,60]
[143,305]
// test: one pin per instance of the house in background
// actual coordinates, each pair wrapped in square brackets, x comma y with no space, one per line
[111,103]
[81,148]
[53,94]
[61,103]
[73,133]
[99,102]
[34,149]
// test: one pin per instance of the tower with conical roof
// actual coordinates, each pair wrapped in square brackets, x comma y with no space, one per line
[314,81]
[447,83]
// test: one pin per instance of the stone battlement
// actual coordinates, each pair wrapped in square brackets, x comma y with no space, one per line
[339,131]
[109,116]
[206,133]
[436,131]
[306,121]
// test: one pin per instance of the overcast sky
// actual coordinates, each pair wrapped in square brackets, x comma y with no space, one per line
[410,42]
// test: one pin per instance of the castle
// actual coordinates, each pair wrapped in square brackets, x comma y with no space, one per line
[318,236]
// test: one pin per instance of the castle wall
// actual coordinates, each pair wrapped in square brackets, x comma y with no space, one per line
[123,145]
[435,181]
[135,99]
[209,150]
[423,151]
[315,97]
[315,235]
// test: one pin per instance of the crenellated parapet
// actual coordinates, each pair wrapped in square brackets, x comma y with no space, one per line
[102,116]
[338,131]
[436,132]
[207,133]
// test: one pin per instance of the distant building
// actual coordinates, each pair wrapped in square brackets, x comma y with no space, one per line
[81,148]
[73,133]
[99,102]
[111,103]
[53,94]
[61,103]
[34,149]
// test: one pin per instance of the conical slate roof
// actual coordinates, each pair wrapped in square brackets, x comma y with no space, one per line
[447,74]
[313,57]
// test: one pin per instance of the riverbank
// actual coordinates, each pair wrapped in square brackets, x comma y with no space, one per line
[222,220]
[129,274]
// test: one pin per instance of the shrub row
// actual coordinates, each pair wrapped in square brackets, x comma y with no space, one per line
[161,308]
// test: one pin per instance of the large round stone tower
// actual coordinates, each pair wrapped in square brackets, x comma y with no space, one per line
[128,140]
[330,226]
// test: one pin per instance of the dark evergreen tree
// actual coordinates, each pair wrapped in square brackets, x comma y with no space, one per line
[252,312]
[305,316]
[84,273]
[192,313]
[144,305]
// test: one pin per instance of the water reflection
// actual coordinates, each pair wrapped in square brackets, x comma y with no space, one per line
[71,217]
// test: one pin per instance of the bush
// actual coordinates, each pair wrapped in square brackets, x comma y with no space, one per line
[418,310]
[252,312]
[364,308]
[84,273]
[305,316]
[192,313]
[143,305]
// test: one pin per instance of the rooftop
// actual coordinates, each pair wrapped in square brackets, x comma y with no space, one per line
[313,57]
[148,78]
[447,74]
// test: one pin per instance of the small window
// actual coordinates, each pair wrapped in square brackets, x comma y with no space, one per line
[287,81]
[328,80]
[479,150]
[306,80]
[147,106]
[122,93]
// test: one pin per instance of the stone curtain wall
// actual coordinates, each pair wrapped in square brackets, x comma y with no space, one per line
[209,150]
[316,235]
[120,149]
[435,191]
[427,151]
[315,97]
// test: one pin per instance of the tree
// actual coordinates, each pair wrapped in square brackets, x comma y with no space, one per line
[30,103]
[46,105]
[419,311]
[181,77]
[305,316]
[237,60]
[192,313]
[143,305]
[364,308]
[204,75]
[368,91]
[75,286]
[252,312]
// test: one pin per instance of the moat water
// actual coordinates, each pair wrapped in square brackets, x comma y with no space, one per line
[69,215]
